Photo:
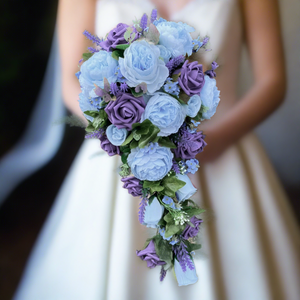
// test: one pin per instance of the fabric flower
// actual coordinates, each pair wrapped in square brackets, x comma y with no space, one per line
[169,201]
[190,144]
[162,233]
[107,146]
[165,54]
[190,231]
[88,103]
[115,135]
[150,256]
[210,96]
[115,37]
[165,112]
[191,79]
[186,191]
[133,185]
[187,277]
[172,87]
[153,213]
[150,164]
[141,63]
[125,111]
[194,105]
[192,165]
[175,37]
[93,71]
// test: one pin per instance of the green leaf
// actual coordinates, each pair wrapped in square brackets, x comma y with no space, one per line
[169,219]
[152,34]
[92,113]
[97,122]
[124,158]
[87,55]
[125,149]
[128,139]
[154,186]
[134,144]
[122,46]
[171,185]
[194,211]
[165,142]
[90,127]
[163,249]
[151,199]
[172,229]
[117,53]
[146,139]
[127,34]
[192,247]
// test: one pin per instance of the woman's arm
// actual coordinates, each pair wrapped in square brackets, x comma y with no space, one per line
[262,30]
[74,16]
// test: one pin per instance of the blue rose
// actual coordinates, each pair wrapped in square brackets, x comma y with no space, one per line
[93,71]
[187,277]
[115,135]
[176,38]
[88,103]
[162,232]
[141,63]
[165,54]
[194,105]
[153,213]
[186,191]
[150,163]
[210,96]
[165,112]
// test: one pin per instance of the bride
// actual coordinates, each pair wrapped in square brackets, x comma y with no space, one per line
[86,249]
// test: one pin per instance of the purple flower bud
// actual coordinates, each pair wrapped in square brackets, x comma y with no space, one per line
[149,255]
[190,231]
[107,146]
[153,15]
[191,78]
[133,185]
[143,23]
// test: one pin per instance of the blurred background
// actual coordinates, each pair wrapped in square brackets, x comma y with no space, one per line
[27,33]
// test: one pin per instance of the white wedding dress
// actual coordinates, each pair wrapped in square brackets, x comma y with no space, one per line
[86,250]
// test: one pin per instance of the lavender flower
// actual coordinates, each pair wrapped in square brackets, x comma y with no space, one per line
[211,73]
[153,15]
[142,208]
[183,257]
[93,38]
[173,63]
[163,274]
[143,23]
[93,50]
[114,89]
[175,167]
[205,41]
[123,87]
[95,135]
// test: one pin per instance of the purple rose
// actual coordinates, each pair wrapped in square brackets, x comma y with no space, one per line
[149,255]
[190,231]
[191,79]
[133,185]
[190,144]
[115,37]
[125,111]
[107,146]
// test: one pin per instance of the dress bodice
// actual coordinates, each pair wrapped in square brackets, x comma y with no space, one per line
[219,19]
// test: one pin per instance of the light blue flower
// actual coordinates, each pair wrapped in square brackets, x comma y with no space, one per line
[210,96]
[141,63]
[162,233]
[186,191]
[194,105]
[160,20]
[165,54]
[149,164]
[184,278]
[193,165]
[153,213]
[165,112]
[88,103]
[93,71]
[169,201]
[172,87]
[176,38]
[115,135]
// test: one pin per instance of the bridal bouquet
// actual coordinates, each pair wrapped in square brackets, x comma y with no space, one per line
[143,100]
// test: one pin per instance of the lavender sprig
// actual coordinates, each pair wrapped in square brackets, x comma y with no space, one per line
[96,40]
[163,273]
[183,256]
[173,63]
[92,50]
[143,23]
[205,41]
[153,15]
[114,88]
[211,73]
[142,207]
[175,167]
[95,135]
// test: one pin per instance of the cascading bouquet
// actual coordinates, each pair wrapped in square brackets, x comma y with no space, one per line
[144,99]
